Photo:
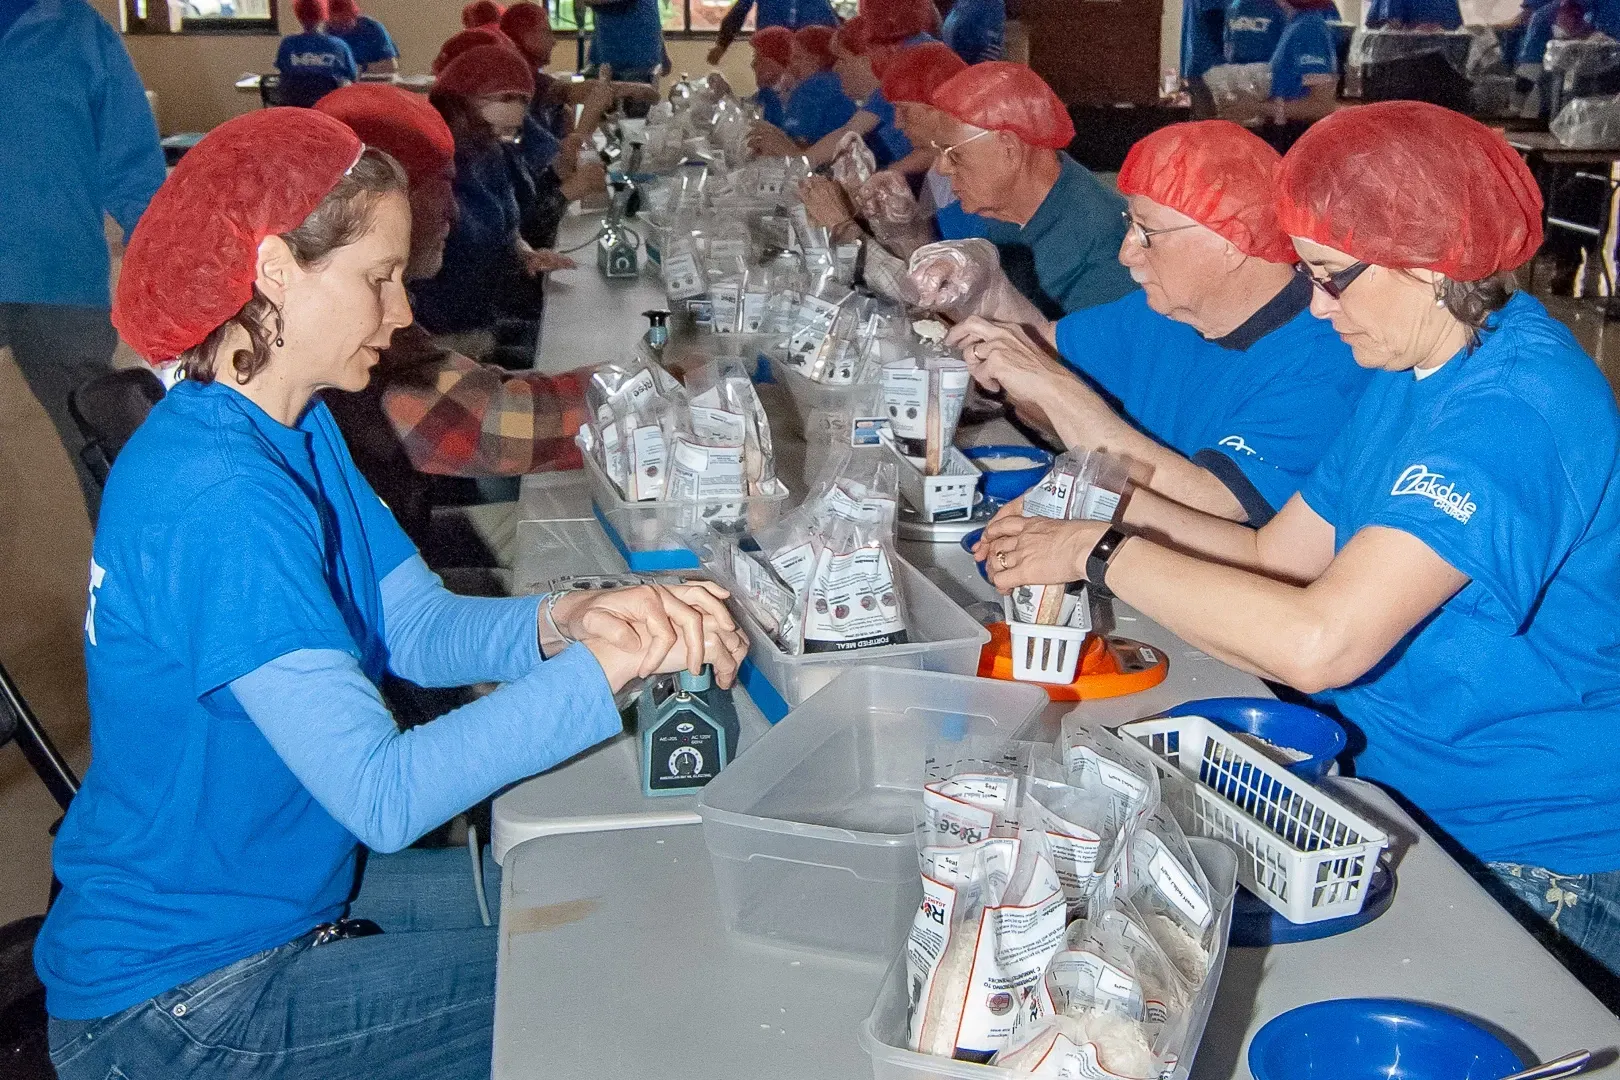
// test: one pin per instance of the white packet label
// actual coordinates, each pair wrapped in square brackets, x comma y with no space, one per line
[754,305]
[724,303]
[815,321]
[1128,792]
[905,399]
[683,277]
[720,426]
[1007,985]
[700,473]
[647,465]
[794,565]
[853,603]
[1084,978]
[1172,880]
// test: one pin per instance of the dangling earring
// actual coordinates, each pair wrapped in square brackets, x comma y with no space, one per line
[1439,292]
[279,342]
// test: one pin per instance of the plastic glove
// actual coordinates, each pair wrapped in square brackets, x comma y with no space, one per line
[892,211]
[963,278]
[853,163]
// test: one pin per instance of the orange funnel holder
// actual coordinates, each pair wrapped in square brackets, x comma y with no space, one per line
[1127,667]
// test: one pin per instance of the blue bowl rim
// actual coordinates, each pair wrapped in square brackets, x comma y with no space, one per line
[1219,711]
[1341,1011]
[1006,450]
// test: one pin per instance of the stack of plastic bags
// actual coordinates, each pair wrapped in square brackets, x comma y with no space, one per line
[706,442]
[1066,928]
[822,579]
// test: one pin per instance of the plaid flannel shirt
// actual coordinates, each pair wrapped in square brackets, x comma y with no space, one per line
[457,417]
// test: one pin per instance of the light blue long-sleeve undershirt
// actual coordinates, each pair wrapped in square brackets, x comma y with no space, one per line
[329,723]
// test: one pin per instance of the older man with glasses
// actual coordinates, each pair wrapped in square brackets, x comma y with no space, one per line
[1215,376]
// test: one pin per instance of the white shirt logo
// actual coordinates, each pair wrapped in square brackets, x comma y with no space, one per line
[1257,24]
[1418,480]
[98,574]
[1236,442]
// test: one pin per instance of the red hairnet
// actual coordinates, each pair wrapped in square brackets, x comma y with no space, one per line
[488,69]
[773,43]
[1221,175]
[1410,185]
[481,13]
[191,261]
[892,21]
[468,40]
[310,12]
[346,10]
[1000,96]
[914,74]
[522,20]
[817,41]
[851,36]
[399,123]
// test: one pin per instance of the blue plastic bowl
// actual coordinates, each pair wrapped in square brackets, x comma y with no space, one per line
[1279,723]
[1007,484]
[1377,1039]
[967,545]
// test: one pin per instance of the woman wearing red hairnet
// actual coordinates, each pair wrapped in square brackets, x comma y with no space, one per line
[1446,578]
[773,53]
[366,38]
[248,592]
[528,26]
[817,106]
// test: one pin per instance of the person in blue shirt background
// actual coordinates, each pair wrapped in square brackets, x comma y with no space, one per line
[248,590]
[788,14]
[1252,30]
[773,53]
[315,52]
[1215,375]
[86,147]
[1414,15]
[628,40]
[366,38]
[1057,230]
[1304,65]
[1446,577]
[816,108]
[1203,28]
[976,29]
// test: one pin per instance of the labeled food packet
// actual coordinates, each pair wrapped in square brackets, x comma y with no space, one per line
[1090,1045]
[853,601]
[991,918]
[1122,771]
[834,362]
[1111,963]
[1085,485]
[863,487]
[923,395]
[726,410]
[753,585]
[682,266]
[705,457]
[853,163]
[1167,886]
[817,313]
[640,438]
[972,787]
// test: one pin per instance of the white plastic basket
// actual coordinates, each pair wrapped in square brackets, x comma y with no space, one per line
[1046,654]
[1306,854]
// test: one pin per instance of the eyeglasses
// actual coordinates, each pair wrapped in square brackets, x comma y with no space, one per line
[947,154]
[1334,284]
[1144,235]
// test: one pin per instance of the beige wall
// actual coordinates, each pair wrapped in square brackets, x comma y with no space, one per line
[192,74]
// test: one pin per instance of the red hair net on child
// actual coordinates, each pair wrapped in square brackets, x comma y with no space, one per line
[1221,175]
[914,74]
[481,13]
[488,69]
[891,21]
[344,10]
[310,12]
[467,40]
[191,261]
[520,22]
[774,43]
[399,123]
[817,41]
[1001,96]
[1409,185]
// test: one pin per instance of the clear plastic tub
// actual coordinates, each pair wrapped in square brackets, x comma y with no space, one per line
[883,1036]
[943,638]
[812,401]
[648,534]
[811,831]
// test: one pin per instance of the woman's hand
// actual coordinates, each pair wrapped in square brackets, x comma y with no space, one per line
[1020,550]
[824,201]
[545,261]
[587,178]
[652,629]
[768,140]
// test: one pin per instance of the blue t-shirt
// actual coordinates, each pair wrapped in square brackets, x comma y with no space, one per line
[1202,28]
[887,142]
[1498,716]
[316,54]
[1411,13]
[817,108]
[1253,28]
[976,29]
[79,143]
[1537,32]
[1258,408]
[368,40]
[1067,256]
[792,14]
[770,105]
[226,540]
[480,260]
[631,40]
[1306,48]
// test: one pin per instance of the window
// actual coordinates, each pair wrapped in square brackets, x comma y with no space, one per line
[200,17]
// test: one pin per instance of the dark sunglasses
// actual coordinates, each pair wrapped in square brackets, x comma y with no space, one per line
[1334,284]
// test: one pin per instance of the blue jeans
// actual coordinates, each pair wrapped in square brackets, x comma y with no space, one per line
[416,1001]
[1575,916]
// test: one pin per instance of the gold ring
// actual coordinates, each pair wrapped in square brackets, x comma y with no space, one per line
[1001,560]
